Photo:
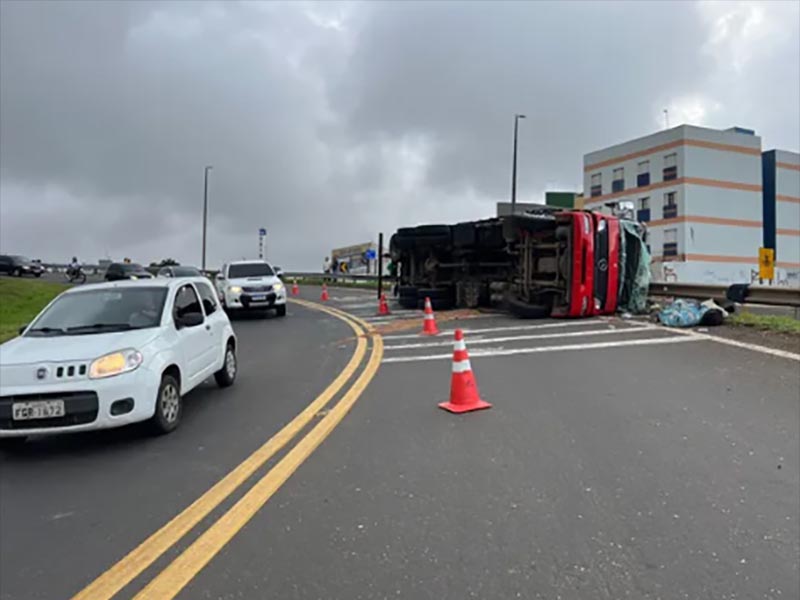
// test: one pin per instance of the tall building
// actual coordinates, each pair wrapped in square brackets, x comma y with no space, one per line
[781,176]
[700,192]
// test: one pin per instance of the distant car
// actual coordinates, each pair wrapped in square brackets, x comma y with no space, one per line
[19,266]
[120,271]
[179,271]
[105,355]
[251,285]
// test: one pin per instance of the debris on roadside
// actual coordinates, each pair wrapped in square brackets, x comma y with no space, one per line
[683,312]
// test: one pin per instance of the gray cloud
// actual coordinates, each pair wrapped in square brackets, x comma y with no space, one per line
[329,122]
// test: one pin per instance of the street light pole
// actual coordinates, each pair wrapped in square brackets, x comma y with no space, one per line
[514,166]
[205,215]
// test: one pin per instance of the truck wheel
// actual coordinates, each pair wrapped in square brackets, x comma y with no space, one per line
[407,296]
[441,298]
[523,310]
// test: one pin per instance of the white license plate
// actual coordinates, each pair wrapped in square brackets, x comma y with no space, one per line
[260,298]
[43,409]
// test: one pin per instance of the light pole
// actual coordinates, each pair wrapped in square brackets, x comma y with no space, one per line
[205,214]
[514,167]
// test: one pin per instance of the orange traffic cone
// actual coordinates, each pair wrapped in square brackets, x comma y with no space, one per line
[295,288]
[464,395]
[383,307]
[324,296]
[429,324]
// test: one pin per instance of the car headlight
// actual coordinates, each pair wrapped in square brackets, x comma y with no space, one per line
[115,363]
[277,287]
[134,277]
[235,289]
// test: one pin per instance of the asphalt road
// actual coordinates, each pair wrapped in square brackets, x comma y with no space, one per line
[618,461]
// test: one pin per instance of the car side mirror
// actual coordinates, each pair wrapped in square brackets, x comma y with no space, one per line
[22,329]
[278,271]
[220,277]
[189,320]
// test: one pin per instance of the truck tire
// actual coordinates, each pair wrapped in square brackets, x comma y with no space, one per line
[464,235]
[402,241]
[562,232]
[407,296]
[523,310]
[441,298]
[426,236]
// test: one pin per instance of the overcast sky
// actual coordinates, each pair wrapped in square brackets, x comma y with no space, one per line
[326,123]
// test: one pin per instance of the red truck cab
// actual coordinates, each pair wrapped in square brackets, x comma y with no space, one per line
[606,263]
[579,226]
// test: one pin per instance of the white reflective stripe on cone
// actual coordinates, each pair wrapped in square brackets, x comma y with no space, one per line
[429,317]
[461,366]
[460,345]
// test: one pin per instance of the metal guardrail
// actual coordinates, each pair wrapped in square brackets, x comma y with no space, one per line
[740,292]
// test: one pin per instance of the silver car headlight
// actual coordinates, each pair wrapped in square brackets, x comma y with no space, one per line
[277,287]
[115,363]
[234,289]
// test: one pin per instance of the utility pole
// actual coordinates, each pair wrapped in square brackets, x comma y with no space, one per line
[514,166]
[205,215]
[666,118]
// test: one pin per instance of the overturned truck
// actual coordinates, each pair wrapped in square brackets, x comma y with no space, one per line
[547,262]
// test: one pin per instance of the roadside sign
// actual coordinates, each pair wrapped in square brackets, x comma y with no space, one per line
[371,254]
[766,263]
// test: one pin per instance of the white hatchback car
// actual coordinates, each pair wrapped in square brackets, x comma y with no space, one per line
[251,285]
[105,355]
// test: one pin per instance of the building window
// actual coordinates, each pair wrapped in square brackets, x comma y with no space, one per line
[670,242]
[643,212]
[670,167]
[670,205]
[597,184]
[618,180]
[643,174]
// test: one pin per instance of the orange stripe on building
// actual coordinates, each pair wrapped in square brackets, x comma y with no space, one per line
[785,198]
[783,165]
[669,146]
[706,220]
[728,185]
[749,260]
[793,232]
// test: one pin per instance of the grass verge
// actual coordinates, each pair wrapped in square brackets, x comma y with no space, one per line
[784,324]
[21,300]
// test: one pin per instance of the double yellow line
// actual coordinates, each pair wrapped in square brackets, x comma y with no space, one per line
[169,582]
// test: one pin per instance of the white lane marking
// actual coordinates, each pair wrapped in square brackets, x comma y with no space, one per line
[510,351]
[737,344]
[512,328]
[516,338]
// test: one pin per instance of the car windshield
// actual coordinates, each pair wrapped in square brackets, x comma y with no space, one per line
[185,271]
[101,311]
[250,270]
[21,259]
[132,267]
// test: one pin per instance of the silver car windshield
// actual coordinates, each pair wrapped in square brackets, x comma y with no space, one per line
[250,270]
[101,311]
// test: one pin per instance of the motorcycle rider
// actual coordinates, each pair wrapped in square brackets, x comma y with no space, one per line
[74,266]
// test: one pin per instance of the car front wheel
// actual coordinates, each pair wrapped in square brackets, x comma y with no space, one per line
[227,374]
[169,407]
[280,310]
